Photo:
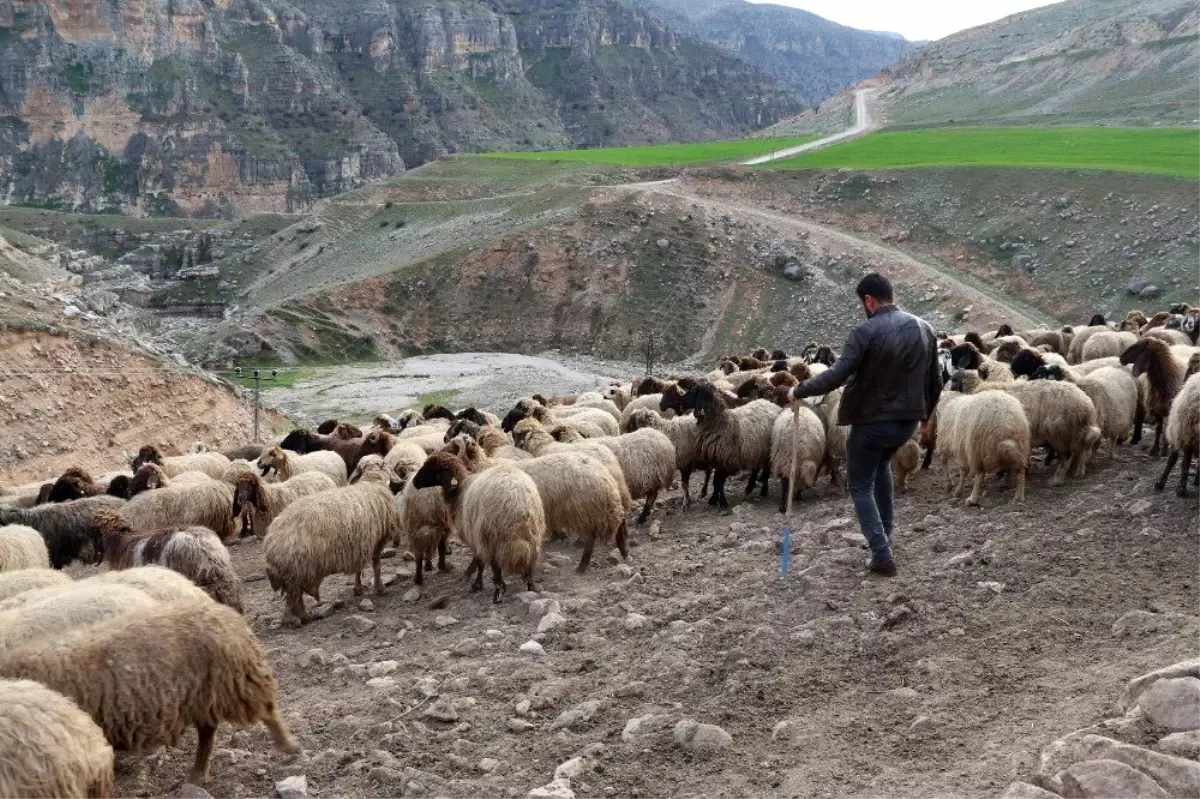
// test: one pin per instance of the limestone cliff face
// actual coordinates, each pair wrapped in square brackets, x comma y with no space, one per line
[223,107]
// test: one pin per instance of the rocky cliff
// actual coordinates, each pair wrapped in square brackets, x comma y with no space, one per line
[813,57]
[222,107]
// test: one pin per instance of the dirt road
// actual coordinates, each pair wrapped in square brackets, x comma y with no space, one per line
[862,123]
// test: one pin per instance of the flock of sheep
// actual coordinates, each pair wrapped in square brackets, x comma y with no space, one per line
[128,658]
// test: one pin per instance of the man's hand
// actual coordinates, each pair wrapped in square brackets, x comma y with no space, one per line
[793,400]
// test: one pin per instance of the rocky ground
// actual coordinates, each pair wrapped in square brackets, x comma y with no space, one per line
[1006,627]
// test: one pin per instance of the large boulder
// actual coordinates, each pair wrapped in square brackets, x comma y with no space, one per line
[1108,779]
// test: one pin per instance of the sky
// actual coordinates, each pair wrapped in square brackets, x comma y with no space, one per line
[913,19]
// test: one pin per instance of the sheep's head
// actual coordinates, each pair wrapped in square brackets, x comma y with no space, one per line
[377,442]
[511,419]
[977,340]
[566,435]
[728,366]
[649,385]
[540,400]
[800,370]
[524,429]
[467,450]
[110,527]
[1135,319]
[247,491]
[684,383]
[706,400]
[408,418]
[1049,371]
[147,454]
[1026,362]
[642,417]
[347,431]
[751,389]
[301,442]
[760,354]
[778,355]
[784,379]
[964,381]
[1145,354]
[326,427]
[436,412]
[965,356]
[273,458]
[946,363]
[370,468]
[1193,365]
[385,422]
[472,415]
[1097,320]
[672,398]
[1006,350]
[149,477]
[824,355]
[1190,324]
[67,488]
[780,365]
[441,469]
[119,486]
[461,427]
[1005,330]
[44,493]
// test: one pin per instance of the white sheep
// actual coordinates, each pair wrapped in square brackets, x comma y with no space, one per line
[288,464]
[212,464]
[991,434]
[203,502]
[809,453]
[61,609]
[1107,344]
[22,547]
[51,747]
[684,436]
[1183,433]
[1113,390]
[23,580]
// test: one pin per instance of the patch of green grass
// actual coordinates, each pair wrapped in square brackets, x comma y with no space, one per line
[442,396]
[663,154]
[1160,151]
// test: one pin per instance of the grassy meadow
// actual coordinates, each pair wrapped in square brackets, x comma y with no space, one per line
[1159,151]
[663,154]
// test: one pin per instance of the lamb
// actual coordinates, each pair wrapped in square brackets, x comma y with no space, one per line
[1183,434]
[427,523]
[1164,375]
[75,483]
[498,512]
[51,747]
[264,501]
[809,454]
[733,440]
[835,434]
[287,464]
[144,676]
[195,552]
[303,442]
[22,547]
[203,503]
[1059,415]
[991,433]
[684,437]
[1114,392]
[906,461]
[1106,344]
[20,581]
[48,613]
[212,464]
[333,532]
[65,527]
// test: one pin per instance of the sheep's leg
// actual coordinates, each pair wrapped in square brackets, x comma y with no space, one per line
[429,563]
[586,560]
[1139,418]
[645,514]
[497,582]
[377,568]
[529,586]
[685,478]
[928,459]
[766,476]
[1156,449]
[753,480]
[623,540]
[718,494]
[1183,475]
[279,732]
[206,734]
[1060,473]
[358,586]
[419,577]
[976,490]
[704,488]
[476,568]
[1162,480]
[1019,496]
[1050,453]
[295,606]
[784,494]
[443,551]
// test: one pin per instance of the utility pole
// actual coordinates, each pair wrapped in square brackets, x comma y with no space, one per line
[650,355]
[258,378]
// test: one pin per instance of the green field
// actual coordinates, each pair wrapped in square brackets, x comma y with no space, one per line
[663,154]
[1160,151]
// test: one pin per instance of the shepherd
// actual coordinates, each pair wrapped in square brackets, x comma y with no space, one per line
[890,370]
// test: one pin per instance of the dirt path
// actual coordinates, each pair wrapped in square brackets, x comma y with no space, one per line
[862,123]
[988,304]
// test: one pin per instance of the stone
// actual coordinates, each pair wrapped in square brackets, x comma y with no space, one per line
[532,648]
[559,789]
[467,647]
[579,714]
[551,621]
[701,739]
[840,523]
[1182,744]
[381,683]
[427,687]
[663,244]
[784,730]
[1135,687]
[571,769]
[523,707]
[991,585]
[292,787]
[1023,790]
[315,657]
[385,777]
[638,729]
[1149,292]
[412,594]
[383,668]
[441,710]
[1053,759]
[921,725]
[360,624]
[488,764]
[540,607]
[519,725]
[635,621]
[1176,775]
[546,693]
[1139,507]
[189,791]
[366,605]
[631,689]
[1173,703]
[1143,622]
[1023,261]
[1100,779]
[445,621]
[795,271]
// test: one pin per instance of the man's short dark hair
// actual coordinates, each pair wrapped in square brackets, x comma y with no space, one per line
[875,285]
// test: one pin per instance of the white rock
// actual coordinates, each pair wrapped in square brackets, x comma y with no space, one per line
[922,724]
[784,730]
[636,729]
[1139,507]
[441,710]
[579,714]
[292,787]
[1182,744]
[523,707]
[381,682]
[840,523]
[571,769]
[635,688]
[540,607]
[361,624]
[488,764]
[467,647]
[315,657]
[445,621]
[994,587]
[1175,775]
[426,687]
[493,634]
[532,648]
[701,739]
[551,621]
[1135,687]
[1173,703]
[636,621]
[1099,779]
[519,725]
[559,789]
[1023,790]
[383,668]
[412,594]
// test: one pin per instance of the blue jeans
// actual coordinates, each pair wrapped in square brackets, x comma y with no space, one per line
[869,451]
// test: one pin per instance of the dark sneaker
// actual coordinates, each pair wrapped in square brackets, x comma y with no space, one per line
[884,568]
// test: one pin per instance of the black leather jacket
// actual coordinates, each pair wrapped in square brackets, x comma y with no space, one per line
[889,367]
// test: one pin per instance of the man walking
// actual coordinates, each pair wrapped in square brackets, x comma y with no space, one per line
[890,369]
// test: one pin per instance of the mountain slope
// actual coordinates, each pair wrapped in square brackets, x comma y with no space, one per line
[1077,62]
[812,56]
[214,109]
